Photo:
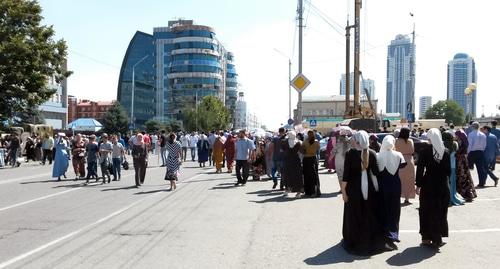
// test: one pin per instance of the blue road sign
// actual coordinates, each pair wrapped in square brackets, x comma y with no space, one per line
[290,121]
[131,126]
[410,117]
[313,123]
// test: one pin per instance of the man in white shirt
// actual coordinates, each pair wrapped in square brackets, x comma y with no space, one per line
[193,140]
[184,145]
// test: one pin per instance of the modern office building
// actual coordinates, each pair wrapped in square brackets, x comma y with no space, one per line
[461,73]
[55,110]
[184,63]
[368,84]
[425,102]
[139,60]
[400,94]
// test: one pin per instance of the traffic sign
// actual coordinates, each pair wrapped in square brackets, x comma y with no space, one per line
[300,82]
[290,121]
[410,117]
[313,123]
[131,126]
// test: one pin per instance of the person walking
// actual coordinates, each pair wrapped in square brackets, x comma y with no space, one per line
[389,163]
[329,153]
[452,147]
[203,150]
[292,166]
[193,142]
[374,144]
[78,154]
[117,156]
[491,152]
[309,165]
[184,145]
[174,160]
[432,186]
[211,141]
[30,149]
[92,152]
[140,157]
[278,158]
[163,150]
[218,153]
[229,149]
[245,152]
[47,147]
[154,142]
[475,152]
[465,184]
[407,174]
[340,150]
[61,160]
[14,148]
[105,151]
[361,230]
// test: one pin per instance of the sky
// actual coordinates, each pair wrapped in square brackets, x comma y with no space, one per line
[263,35]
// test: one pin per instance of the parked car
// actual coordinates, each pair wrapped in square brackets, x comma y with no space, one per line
[418,143]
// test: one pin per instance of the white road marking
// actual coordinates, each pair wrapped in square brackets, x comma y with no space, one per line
[24,178]
[487,199]
[38,199]
[60,239]
[491,230]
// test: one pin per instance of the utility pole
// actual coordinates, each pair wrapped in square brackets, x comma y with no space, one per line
[411,101]
[289,88]
[357,24]
[348,110]
[299,105]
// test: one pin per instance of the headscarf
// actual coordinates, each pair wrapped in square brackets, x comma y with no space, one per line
[139,139]
[362,142]
[463,142]
[404,133]
[292,138]
[396,133]
[436,140]
[388,158]
[448,141]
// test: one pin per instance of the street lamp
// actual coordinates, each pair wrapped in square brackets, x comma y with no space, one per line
[289,82]
[469,91]
[133,89]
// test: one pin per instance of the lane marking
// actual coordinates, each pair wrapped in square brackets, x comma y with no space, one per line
[24,178]
[60,239]
[490,230]
[39,199]
[486,199]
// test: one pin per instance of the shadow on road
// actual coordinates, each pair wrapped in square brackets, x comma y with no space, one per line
[411,255]
[276,199]
[333,255]
[330,195]
[121,188]
[149,192]
[76,185]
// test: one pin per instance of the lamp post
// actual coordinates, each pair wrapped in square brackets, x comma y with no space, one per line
[469,91]
[133,89]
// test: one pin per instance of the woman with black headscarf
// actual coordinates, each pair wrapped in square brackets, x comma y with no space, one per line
[465,184]
[407,174]
[452,147]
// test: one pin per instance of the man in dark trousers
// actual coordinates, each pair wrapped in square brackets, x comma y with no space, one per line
[245,152]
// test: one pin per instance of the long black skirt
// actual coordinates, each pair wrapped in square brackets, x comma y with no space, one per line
[311,178]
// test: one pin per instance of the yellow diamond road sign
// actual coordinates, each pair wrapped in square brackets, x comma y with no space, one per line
[300,82]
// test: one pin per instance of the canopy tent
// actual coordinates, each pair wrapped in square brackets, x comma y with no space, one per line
[85,124]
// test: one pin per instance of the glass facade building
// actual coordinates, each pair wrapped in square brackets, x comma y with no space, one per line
[187,63]
[140,46]
[462,72]
[400,91]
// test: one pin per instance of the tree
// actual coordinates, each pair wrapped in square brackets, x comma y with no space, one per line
[449,110]
[29,56]
[153,126]
[116,120]
[210,114]
[30,115]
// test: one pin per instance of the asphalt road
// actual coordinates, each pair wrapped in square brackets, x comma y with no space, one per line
[209,223]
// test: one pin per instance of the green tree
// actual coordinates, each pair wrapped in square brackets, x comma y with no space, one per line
[29,56]
[30,115]
[116,120]
[210,114]
[154,126]
[449,110]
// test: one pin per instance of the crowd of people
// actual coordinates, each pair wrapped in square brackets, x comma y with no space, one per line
[373,176]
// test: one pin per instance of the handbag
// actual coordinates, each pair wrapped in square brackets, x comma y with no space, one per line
[125,164]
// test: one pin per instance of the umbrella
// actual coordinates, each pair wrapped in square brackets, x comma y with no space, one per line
[259,132]
[343,130]
[85,124]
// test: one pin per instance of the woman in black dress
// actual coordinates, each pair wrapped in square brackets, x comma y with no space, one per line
[433,172]
[292,170]
[361,229]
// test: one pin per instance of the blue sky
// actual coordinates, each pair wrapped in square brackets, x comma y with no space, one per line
[98,33]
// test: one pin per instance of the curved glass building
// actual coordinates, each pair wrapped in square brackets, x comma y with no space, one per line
[139,48]
[188,63]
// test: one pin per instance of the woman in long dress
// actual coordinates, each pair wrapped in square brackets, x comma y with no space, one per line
[342,146]
[361,229]
[309,165]
[452,147]
[433,172]
[202,146]
[330,154]
[465,184]
[407,174]
[174,160]
[292,168]
[218,153]
[140,158]
[229,147]
[61,161]
[389,162]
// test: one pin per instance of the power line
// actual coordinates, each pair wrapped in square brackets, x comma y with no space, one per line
[93,59]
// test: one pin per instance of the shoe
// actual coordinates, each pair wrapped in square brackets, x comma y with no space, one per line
[391,245]
[479,186]
[274,185]
[236,184]
[298,195]
[496,181]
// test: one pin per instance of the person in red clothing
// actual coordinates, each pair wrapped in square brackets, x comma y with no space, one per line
[147,140]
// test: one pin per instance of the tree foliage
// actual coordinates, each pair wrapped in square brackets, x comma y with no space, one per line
[153,126]
[29,56]
[116,120]
[449,110]
[210,114]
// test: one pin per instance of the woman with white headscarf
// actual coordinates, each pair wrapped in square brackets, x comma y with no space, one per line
[292,166]
[361,229]
[389,162]
[203,151]
[433,172]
